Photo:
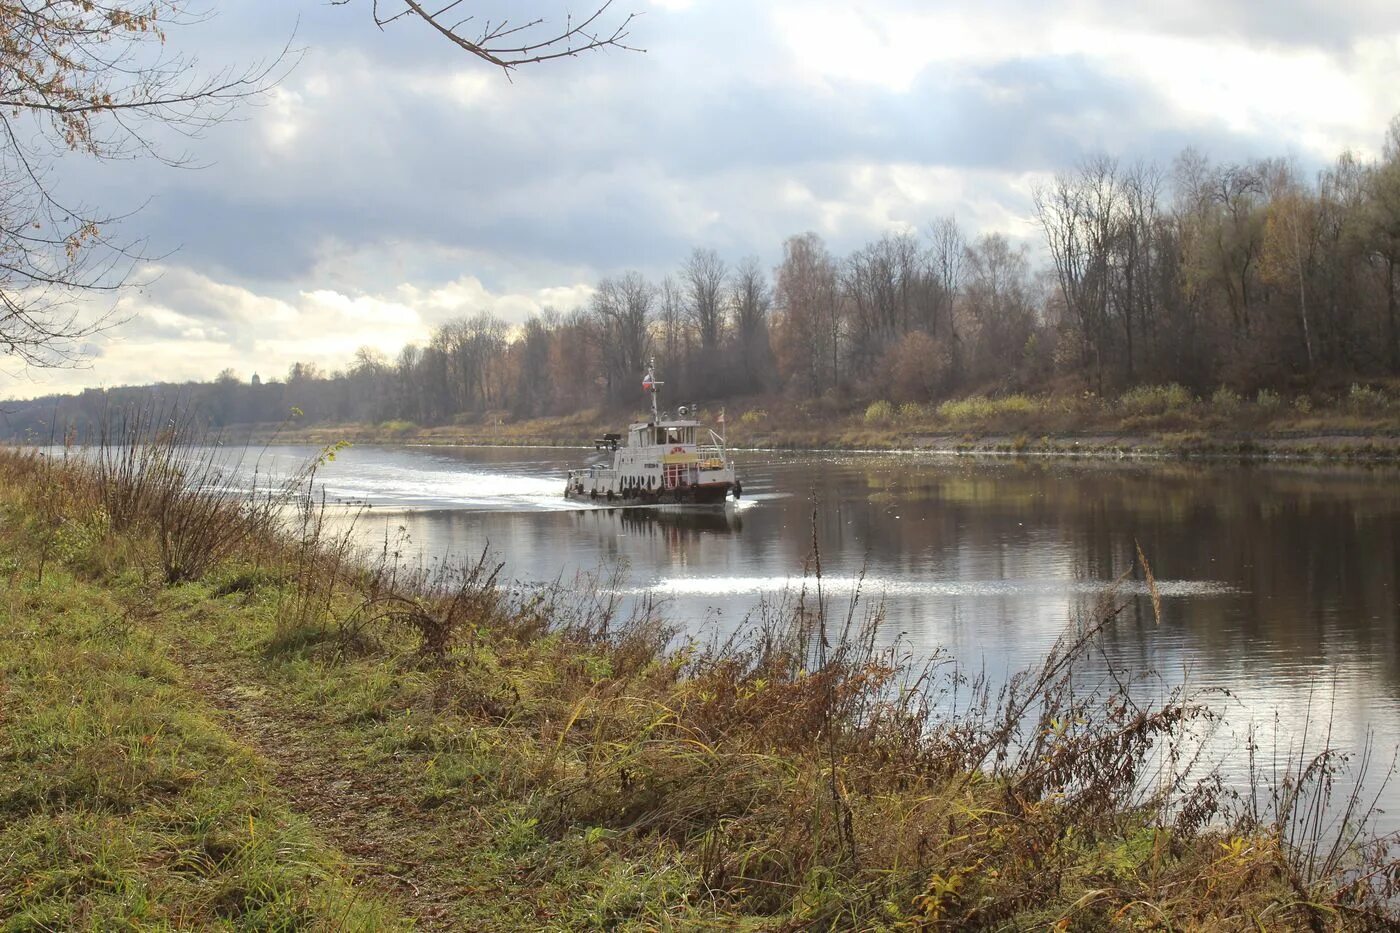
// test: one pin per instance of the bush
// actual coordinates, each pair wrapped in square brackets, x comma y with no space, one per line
[1226,401]
[1268,400]
[981,408]
[912,412]
[753,416]
[398,428]
[973,408]
[162,469]
[1303,405]
[880,412]
[1366,400]
[1155,400]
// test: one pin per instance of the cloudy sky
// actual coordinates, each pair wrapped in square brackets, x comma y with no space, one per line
[392,182]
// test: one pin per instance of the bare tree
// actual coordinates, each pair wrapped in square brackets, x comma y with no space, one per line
[1140,188]
[947,248]
[704,275]
[623,308]
[1000,306]
[507,43]
[1061,210]
[1382,234]
[945,257]
[1081,216]
[95,78]
[752,299]
[1290,243]
[674,339]
[809,333]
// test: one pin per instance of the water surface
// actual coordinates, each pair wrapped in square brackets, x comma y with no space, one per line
[1278,582]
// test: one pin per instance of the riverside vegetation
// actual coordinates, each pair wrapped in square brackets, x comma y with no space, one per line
[216,712]
[1358,422]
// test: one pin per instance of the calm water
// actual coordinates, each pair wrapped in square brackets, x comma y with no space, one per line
[1279,582]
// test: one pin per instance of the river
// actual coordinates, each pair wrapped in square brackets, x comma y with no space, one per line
[1278,582]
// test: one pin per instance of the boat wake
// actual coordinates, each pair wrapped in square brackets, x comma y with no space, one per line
[876,586]
[452,489]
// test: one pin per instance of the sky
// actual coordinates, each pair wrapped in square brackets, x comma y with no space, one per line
[391,182]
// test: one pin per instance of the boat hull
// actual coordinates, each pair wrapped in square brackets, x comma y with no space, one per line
[701,494]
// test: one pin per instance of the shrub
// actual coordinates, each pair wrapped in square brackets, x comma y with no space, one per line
[911,412]
[1268,400]
[1017,405]
[880,412]
[982,408]
[162,469]
[1226,401]
[753,416]
[1303,405]
[1366,400]
[972,408]
[398,428]
[439,605]
[1155,400]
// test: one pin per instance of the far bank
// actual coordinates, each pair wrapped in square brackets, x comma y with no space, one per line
[1163,422]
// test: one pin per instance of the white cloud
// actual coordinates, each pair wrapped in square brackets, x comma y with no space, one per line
[1318,98]
[189,326]
[282,122]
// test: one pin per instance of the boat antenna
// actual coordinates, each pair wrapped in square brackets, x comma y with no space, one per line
[651,384]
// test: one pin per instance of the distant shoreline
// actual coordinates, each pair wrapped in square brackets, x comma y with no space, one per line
[1168,422]
[1327,446]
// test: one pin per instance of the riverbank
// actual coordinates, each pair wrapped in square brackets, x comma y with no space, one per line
[1157,422]
[286,735]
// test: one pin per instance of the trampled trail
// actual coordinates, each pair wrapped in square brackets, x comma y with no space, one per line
[386,836]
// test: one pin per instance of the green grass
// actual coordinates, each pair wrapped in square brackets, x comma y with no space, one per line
[125,805]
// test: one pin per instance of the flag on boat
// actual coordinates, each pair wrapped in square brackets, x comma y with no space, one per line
[721,416]
[647,384]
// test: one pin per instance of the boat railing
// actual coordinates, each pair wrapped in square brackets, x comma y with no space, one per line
[711,456]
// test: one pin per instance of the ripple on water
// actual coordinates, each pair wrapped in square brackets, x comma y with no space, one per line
[729,586]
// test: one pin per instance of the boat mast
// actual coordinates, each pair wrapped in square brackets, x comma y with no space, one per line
[650,384]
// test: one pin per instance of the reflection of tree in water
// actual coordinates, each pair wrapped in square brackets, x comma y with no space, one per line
[1313,551]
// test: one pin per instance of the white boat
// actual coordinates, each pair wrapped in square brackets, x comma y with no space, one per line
[664,461]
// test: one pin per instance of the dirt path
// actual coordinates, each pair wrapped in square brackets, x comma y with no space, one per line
[381,830]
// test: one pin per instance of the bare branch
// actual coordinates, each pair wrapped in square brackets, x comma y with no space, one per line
[93,78]
[528,45]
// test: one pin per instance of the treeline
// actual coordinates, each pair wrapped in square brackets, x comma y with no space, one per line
[1246,275]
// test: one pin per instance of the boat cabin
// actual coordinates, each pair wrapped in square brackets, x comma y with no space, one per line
[667,433]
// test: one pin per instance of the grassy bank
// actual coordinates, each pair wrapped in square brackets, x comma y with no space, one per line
[1356,423]
[288,735]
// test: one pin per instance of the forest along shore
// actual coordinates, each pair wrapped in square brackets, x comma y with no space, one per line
[1358,424]
[213,716]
